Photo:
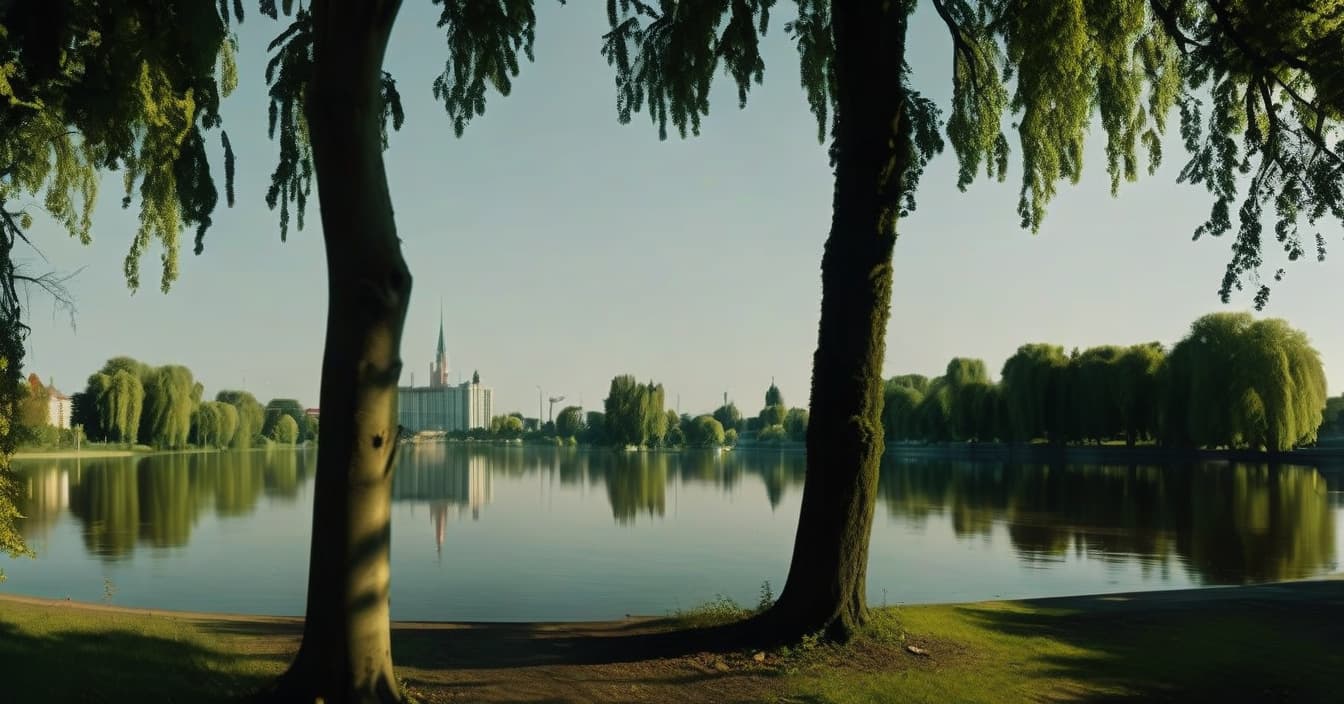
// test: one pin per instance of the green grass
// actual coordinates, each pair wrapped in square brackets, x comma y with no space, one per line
[58,654]
[1024,652]
[1273,643]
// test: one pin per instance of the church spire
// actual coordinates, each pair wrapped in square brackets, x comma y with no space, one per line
[438,370]
[443,349]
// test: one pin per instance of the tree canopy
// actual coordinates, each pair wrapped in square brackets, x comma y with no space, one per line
[1256,87]
[1233,382]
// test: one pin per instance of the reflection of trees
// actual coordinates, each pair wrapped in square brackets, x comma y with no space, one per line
[284,470]
[157,500]
[166,500]
[236,477]
[636,482]
[107,502]
[1227,524]
[1260,523]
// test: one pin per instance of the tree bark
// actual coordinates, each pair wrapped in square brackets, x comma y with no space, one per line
[346,653]
[827,582]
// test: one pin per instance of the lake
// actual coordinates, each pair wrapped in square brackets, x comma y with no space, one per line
[527,533]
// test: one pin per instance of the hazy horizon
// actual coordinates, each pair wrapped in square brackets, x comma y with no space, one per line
[567,249]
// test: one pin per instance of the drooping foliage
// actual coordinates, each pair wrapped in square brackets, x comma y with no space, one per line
[624,411]
[133,86]
[1138,392]
[634,413]
[11,540]
[251,415]
[1233,382]
[898,411]
[1239,382]
[1094,383]
[655,418]
[215,423]
[286,431]
[1030,378]
[170,400]
[917,382]
[120,399]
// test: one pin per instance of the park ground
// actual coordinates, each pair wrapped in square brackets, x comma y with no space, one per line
[1267,643]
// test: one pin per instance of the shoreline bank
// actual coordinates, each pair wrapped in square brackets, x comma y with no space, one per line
[1217,593]
[1181,645]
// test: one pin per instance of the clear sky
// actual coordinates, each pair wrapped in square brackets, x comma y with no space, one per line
[567,249]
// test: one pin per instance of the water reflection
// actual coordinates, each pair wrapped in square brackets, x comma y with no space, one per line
[1225,524]
[1220,524]
[157,500]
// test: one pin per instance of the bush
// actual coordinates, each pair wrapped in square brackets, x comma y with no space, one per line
[773,434]
[730,437]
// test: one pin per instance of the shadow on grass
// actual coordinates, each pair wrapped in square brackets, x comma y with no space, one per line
[515,645]
[1272,643]
[116,665]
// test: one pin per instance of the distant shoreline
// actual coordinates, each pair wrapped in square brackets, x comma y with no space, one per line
[102,454]
[1113,453]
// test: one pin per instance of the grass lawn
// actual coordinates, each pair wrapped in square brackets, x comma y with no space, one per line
[1271,643]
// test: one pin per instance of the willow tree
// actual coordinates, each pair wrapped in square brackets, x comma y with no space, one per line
[1243,383]
[1094,398]
[624,409]
[170,401]
[1030,377]
[250,416]
[1126,63]
[136,85]
[898,412]
[1137,392]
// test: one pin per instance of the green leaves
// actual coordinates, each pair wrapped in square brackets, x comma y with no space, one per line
[287,75]
[1239,382]
[667,56]
[811,32]
[484,37]
[978,94]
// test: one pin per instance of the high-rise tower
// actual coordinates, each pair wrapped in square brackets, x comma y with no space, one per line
[438,369]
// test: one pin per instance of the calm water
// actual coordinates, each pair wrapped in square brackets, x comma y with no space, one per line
[528,533]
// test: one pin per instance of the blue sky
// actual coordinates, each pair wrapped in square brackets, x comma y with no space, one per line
[567,248]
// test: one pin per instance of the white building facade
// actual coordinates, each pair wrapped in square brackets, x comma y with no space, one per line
[58,409]
[439,406]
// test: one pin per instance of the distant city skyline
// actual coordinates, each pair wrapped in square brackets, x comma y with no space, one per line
[568,249]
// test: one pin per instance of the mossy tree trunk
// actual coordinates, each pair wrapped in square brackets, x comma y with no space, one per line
[825,590]
[346,654]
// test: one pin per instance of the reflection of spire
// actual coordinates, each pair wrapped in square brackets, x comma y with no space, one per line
[438,514]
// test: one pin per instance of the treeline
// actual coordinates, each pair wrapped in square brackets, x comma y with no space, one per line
[1232,382]
[634,414]
[129,402]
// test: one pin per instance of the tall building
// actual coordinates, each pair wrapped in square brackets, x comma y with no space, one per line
[441,406]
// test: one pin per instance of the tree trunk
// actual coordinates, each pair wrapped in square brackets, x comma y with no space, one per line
[827,582]
[346,654]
